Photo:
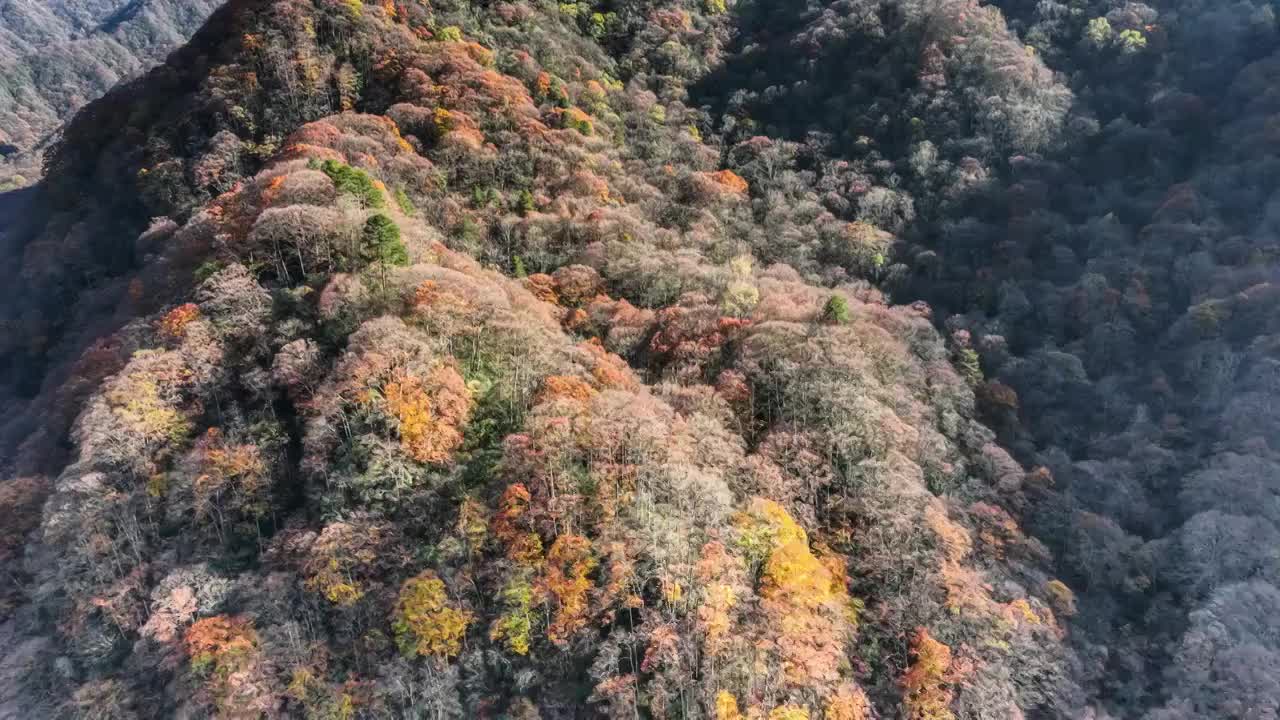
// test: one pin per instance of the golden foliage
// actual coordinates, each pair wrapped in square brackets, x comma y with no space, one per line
[409,403]
[789,712]
[514,626]
[479,53]
[566,580]
[332,580]
[795,576]
[966,590]
[805,599]
[575,119]
[1019,611]
[137,400]
[765,525]
[714,614]
[1061,597]
[444,121]
[423,621]
[810,615]
[672,590]
[525,549]
[727,706]
[956,544]
[430,424]
[319,699]
[472,524]
[965,586]
[342,593]
[342,561]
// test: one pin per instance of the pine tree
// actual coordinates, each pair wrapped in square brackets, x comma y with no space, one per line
[380,242]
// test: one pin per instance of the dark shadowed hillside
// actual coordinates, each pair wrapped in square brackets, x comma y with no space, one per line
[1099,237]
[56,55]
[658,359]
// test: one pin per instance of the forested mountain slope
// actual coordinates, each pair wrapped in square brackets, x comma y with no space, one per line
[1111,260]
[407,359]
[56,55]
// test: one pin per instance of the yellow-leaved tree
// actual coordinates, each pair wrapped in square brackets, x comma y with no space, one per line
[424,622]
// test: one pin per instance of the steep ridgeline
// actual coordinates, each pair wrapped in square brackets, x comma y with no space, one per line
[405,360]
[56,55]
[1102,243]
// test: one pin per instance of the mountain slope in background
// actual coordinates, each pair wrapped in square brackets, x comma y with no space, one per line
[56,56]
[551,360]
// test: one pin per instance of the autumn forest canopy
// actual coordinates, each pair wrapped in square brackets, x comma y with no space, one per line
[754,360]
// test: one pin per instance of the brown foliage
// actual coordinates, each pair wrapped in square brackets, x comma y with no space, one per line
[575,285]
[233,477]
[348,559]
[20,501]
[542,287]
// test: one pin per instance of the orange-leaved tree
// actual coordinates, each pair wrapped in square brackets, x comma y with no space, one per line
[430,414]
[926,691]
[566,583]
[224,651]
